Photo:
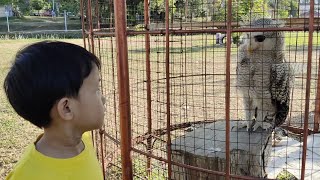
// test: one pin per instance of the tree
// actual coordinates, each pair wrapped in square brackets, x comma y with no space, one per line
[196,8]
[19,7]
[5,2]
[294,8]
[241,9]
[180,6]
[257,8]
[37,4]
[157,10]
[70,6]
[284,8]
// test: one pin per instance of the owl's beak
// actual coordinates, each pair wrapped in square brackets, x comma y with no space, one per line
[250,50]
[252,46]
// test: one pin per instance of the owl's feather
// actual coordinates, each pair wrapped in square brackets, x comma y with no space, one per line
[264,77]
[281,82]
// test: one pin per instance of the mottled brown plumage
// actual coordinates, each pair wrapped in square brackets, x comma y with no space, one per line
[264,77]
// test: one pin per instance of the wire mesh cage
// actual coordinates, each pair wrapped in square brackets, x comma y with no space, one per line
[171,73]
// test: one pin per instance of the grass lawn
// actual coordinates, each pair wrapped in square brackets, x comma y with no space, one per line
[37,23]
[15,133]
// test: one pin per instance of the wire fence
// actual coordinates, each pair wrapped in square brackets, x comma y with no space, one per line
[170,73]
[40,27]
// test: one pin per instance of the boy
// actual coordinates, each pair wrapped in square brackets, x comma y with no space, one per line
[55,86]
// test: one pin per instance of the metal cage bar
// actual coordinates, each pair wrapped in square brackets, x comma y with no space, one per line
[123,79]
[148,71]
[227,94]
[90,26]
[168,88]
[308,84]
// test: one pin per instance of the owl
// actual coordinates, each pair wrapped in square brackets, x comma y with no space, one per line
[263,76]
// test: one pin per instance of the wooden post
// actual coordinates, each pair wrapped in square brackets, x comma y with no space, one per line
[205,148]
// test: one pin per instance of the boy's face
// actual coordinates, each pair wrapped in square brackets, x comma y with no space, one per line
[89,113]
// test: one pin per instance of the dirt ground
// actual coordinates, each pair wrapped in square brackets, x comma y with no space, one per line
[197,86]
[197,92]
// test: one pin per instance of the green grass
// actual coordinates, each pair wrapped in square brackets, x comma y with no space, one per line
[36,23]
[285,175]
[39,28]
[139,166]
[301,38]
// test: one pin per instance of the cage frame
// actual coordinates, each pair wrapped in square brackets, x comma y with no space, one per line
[121,32]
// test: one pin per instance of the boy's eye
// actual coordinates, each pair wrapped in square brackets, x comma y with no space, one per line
[259,38]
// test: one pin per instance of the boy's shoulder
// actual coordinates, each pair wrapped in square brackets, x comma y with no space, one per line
[32,159]
[24,162]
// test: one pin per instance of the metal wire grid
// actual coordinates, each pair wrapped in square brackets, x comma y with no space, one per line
[196,84]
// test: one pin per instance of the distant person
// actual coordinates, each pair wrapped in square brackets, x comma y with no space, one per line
[137,17]
[218,37]
[55,86]
[53,13]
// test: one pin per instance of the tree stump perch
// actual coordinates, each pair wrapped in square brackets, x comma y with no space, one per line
[205,148]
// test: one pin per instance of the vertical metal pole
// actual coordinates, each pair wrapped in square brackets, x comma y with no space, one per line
[186,10]
[227,95]
[65,21]
[90,26]
[97,15]
[150,9]
[52,5]
[112,67]
[102,154]
[148,72]
[168,90]
[82,24]
[7,14]
[307,99]
[101,132]
[124,91]
[317,103]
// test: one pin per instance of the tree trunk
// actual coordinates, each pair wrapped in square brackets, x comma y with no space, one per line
[205,148]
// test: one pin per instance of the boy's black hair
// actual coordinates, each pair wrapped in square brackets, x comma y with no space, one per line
[43,73]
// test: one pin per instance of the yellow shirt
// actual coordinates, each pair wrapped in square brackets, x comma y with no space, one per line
[35,166]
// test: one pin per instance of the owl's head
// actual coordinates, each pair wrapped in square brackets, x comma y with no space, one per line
[264,41]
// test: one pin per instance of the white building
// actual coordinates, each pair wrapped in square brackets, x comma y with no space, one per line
[304,8]
[3,10]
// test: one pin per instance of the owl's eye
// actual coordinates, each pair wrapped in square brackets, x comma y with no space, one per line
[259,38]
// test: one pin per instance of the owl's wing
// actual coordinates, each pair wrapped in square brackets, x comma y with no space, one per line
[281,83]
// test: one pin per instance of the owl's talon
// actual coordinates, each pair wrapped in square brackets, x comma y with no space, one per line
[242,125]
[264,125]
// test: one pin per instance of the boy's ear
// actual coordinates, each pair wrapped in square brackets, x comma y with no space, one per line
[64,108]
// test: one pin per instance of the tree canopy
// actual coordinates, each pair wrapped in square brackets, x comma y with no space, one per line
[70,6]
[216,9]
[37,4]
